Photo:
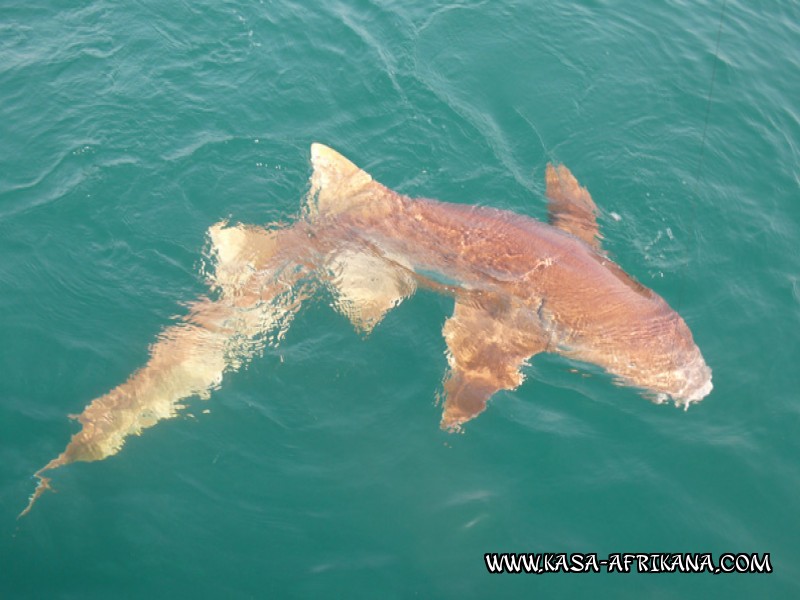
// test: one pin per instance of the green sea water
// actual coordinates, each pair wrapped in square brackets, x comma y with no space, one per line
[127,129]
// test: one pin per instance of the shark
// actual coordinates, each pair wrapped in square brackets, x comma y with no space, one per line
[521,287]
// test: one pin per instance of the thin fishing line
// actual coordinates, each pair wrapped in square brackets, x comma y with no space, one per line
[710,96]
[701,154]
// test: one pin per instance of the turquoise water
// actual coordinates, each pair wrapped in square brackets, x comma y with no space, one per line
[127,130]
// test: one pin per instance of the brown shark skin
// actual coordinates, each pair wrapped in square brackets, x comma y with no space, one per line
[510,266]
[520,286]
[587,307]
[190,358]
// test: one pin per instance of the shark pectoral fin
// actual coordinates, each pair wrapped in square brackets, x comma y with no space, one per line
[487,346]
[367,286]
[570,206]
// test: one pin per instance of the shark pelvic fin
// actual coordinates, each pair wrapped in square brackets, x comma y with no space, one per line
[338,185]
[367,286]
[487,344]
[570,206]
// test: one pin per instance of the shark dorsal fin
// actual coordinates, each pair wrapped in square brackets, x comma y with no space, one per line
[570,206]
[338,185]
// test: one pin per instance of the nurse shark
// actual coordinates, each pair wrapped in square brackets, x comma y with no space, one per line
[521,287]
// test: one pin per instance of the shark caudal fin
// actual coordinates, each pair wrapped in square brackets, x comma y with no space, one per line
[338,185]
[44,482]
[571,206]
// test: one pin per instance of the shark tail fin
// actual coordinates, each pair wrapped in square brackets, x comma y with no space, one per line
[44,482]
[338,185]
[571,206]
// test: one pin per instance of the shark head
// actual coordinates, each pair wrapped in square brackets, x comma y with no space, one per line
[690,378]
[693,379]
[667,363]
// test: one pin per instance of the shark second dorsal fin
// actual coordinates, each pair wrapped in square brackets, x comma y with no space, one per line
[338,185]
[570,206]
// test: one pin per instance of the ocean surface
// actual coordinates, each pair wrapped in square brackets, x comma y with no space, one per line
[127,129]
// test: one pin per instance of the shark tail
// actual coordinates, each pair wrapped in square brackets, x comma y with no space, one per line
[259,295]
[44,482]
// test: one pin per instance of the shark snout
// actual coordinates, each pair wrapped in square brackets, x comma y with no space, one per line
[697,381]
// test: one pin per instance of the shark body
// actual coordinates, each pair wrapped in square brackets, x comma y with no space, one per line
[521,287]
